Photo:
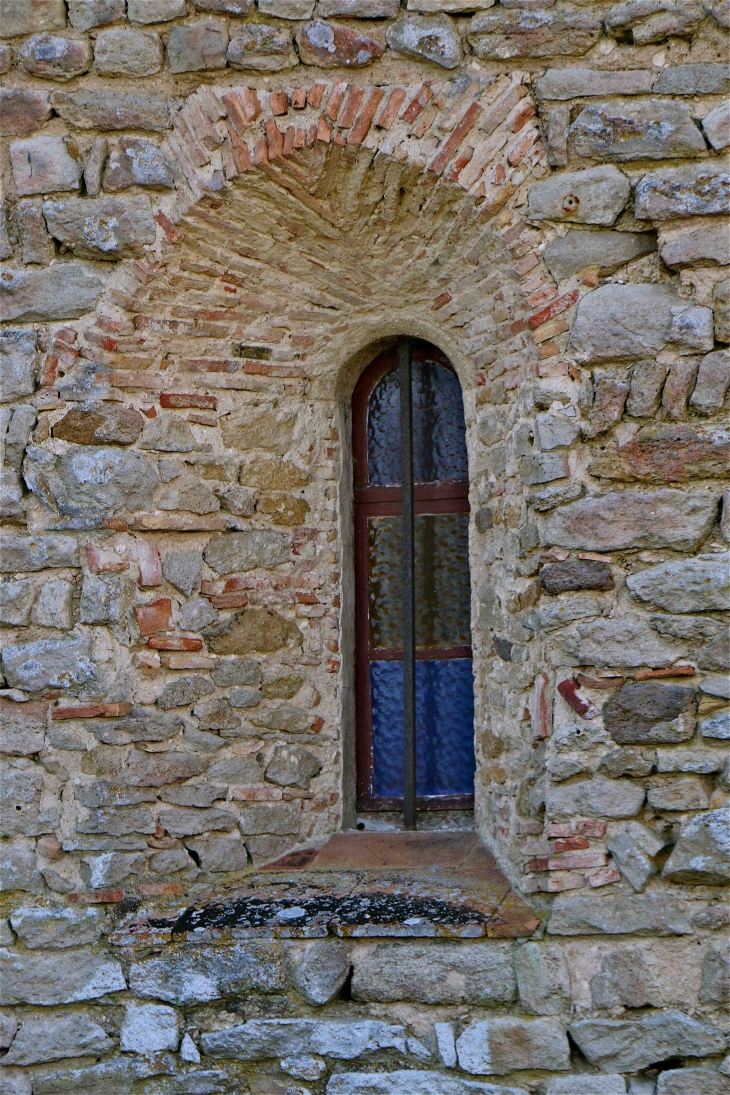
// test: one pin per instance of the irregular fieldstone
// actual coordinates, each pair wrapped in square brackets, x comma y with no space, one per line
[58,978]
[127,53]
[149,1028]
[196,614]
[543,467]
[647,379]
[666,453]
[543,979]
[278,820]
[22,110]
[194,794]
[16,601]
[429,37]
[625,520]
[113,109]
[331,45]
[36,245]
[596,797]
[713,381]
[594,196]
[679,793]
[197,975]
[22,728]
[630,914]
[624,322]
[605,250]
[110,869]
[629,1045]
[105,598]
[159,769]
[624,640]
[229,552]
[414,1081]
[446,974]
[715,986]
[188,821]
[716,726]
[694,190]
[182,569]
[216,714]
[190,495]
[137,161]
[17,367]
[291,765]
[235,769]
[685,245]
[29,16]
[108,228]
[643,712]
[117,821]
[701,856]
[691,1081]
[716,125]
[64,290]
[95,165]
[258,48]
[116,1076]
[18,869]
[576,574]
[54,1036]
[500,35]
[54,663]
[633,847]
[497,1046]
[587,1085]
[88,481]
[184,691]
[573,83]
[154,11]
[225,7]
[319,970]
[699,584]
[42,164]
[286,718]
[554,431]
[86,14]
[261,630]
[343,1041]
[57,927]
[370,9]
[23,553]
[54,607]
[696,79]
[99,424]
[197,46]
[287,9]
[563,612]
[260,429]
[642,23]
[52,57]
[624,981]
[215,854]
[659,129]
[166,433]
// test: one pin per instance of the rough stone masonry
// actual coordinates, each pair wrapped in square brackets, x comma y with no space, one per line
[214,214]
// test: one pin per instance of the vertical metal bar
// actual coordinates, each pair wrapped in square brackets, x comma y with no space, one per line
[409,598]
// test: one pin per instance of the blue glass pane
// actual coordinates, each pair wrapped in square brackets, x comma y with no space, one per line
[439,442]
[444,727]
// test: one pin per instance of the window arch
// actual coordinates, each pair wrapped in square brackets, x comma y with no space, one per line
[444,700]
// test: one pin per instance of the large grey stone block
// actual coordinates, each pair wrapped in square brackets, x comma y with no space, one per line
[22,727]
[18,871]
[701,856]
[149,1029]
[625,520]
[497,1046]
[624,640]
[86,14]
[17,364]
[695,190]
[594,196]
[198,975]
[573,83]
[101,228]
[54,1036]
[319,970]
[42,165]
[629,1045]
[29,16]
[713,380]
[646,712]
[595,798]
[262,1038]
[137,161]
[291,765]
[113,109]
[256,47]
[693,79]
[64,290]
[154,11]
[699,584]
[127,53]
[55,663]
[57,927]
[543,979]
[716,125]
[67,977]
[692,1081]
[90,483]
[657,129]
[631,914]
[586,1085]
[426,37]
[16,601]
[412,1082]
[188,821]
[605,250]
[228,552]
[197,46]
[435,974]
[219,853]
[502,34]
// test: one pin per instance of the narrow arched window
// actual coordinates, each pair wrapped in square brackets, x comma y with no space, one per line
[440,593]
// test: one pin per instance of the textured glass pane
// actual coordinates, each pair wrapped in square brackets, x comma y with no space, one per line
[439,443]
[444,727]
[442,581]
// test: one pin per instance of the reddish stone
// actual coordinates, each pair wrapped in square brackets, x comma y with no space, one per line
[150,565]
[587,827]
[96,897]
[99,562]
[229,600]
[92,711]
[512,919]
[604,877]
[670,671]
[600,682]
[154,617]
[331,45]
[667,453]
[570,861]
[185,400]
[160,889]
[22,111]
[174,642]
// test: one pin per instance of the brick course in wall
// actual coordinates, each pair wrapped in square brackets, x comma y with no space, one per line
[209,225]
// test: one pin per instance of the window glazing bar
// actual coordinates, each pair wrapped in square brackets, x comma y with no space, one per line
[409,599]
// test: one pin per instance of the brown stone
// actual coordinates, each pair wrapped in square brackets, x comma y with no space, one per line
[269,473]
[99,424]
[154,617]
[576,574]
[666,453]
[110,109]
[284,509]
[54,58]
[648,712]
[22,111]
[254,629]
[331,45]
[501,34]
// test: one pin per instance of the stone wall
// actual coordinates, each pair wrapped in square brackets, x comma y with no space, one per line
[210,226]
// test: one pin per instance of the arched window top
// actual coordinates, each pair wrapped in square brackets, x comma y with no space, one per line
[439,442]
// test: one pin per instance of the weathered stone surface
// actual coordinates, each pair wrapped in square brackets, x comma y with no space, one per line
[716,125]
[16,601]
[85,14]
[288,1037]
[695,79]
[22,728]
[196,614]
[431,37]
[188,821]
[159,769]
[110,869]
[713,381]
[679,793]
[182,569]
[605,250]
[197,975]
[497,1046]
[229,552]
[690,191]
[23,553]
[149,1028]
[614,522]
[554,431]
[686,245]
[560,613]
[18,869]
[586,1085]
[228,7]
[715,986]
[261,428]
[22,111]
[572,83]
[412,1081]
[639,914]
[630,1045]
[290,765]
[197,46]
[626,322]
[91,482]
[643,712]
[111,1076]
[166,433]
[702,853]
[278,820]
[113,109]
[105,598]
[57,927]
[331,45]
[716,726]
[595,798]
[62,291]
[595,196]
[443,974]
[117,821]
[644,23]
[58,978]
[237,671]
[107,228]
[154,11]
[261,630]
[576,574]
[666,453]
[52,57]
[184,691]
[54,663]
[371,9]
[698,584]
[99,424]
[633,847]
[195,794]
[17,368]
[499,35]
[286,717]
[623,640]
[29,16]
[655,130]
[691,1081]
[127,53]
[36,245]
[51,1037]
[54,607]
[216,714]
[543,979]
[219,853]
[258,48]
[319,970]
[137,161]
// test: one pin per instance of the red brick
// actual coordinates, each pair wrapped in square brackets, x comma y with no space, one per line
[361,129]
[417,103]
[96,897]
[568,689]
[669,671]
[92,711]
[452,142]
[587,827]
[570,844]
[183,400]
[174,642]
[603,877]
[299,98]
[150,566]
[229,600]
[351,107]
[279,102]
[390,111]
[154,617]
[553,309]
